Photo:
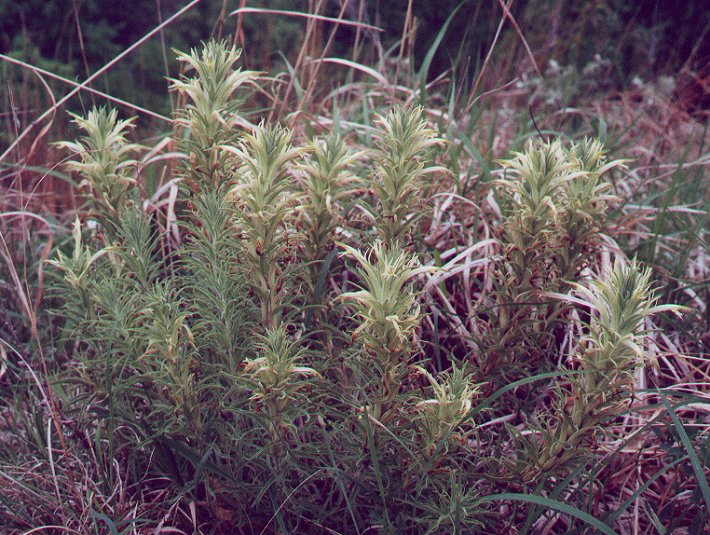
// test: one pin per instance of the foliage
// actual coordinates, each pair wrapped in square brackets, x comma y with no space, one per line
[104,159]
[470,362]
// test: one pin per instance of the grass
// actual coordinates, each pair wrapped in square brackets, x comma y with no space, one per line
[359,306]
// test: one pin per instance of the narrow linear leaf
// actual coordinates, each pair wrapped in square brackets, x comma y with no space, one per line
[692,455]
[551,504]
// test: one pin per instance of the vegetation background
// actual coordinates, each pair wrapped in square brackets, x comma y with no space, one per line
[645,39]
[489,76]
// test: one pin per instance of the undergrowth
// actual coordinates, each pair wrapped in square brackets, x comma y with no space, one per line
[330,329]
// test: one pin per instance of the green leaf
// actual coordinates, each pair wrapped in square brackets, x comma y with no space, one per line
[692,455]
[113,529]
[429,57]
[550,504]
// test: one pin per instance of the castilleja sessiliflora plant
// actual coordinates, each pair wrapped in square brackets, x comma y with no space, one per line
[558,203]
[328,182]
[403,144]
[608,356]
[212,112]
[104,162]
[277,364]
[264,200]
[388,314]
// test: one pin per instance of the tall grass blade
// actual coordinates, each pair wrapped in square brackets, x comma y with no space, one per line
[550,504]
[688,445]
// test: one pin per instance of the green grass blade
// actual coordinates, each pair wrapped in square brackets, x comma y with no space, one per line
[692,455]
[374,458]
[550,504]
[534,512]
[113,529]
[616,514]
[498,393]
[429,57]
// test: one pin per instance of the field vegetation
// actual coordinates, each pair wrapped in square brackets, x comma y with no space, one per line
[338,267]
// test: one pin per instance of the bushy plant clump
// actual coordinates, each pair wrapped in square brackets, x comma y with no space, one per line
[274,361]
